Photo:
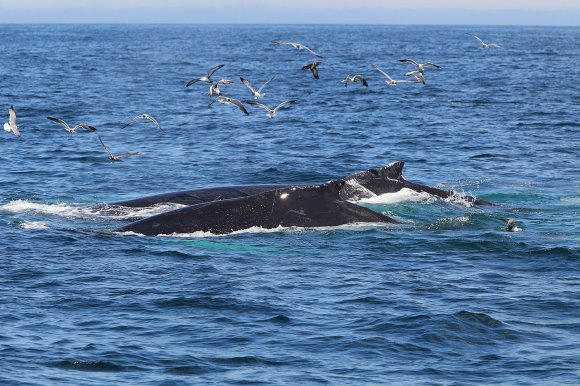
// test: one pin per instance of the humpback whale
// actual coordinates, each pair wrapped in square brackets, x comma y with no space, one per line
[375,181]
[297,206]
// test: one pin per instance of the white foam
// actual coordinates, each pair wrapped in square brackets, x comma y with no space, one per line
[409,195]
[255,229]
[460,198]
[24,206]
[70,211]
[34,225]
[571,200]
[403,195]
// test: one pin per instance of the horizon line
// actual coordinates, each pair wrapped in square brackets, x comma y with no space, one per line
[289,23]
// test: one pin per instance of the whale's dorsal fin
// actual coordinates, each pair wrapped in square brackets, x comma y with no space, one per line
[393,170]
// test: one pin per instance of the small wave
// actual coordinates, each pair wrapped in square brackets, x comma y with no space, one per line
[278,319]
[481,101]
[485,155]
[363,299]
[100,366]
[479,318]
[189,370]
[556,251]
[570,200]
[33,225]
[449,223]
[247,360]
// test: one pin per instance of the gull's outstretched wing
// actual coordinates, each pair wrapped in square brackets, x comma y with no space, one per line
[85,126]
[106,148]
[12,121]
[409,61]
[429,64]
[382,72]
[151,119]
[259,104]
[126,155]
[238,103]
[58,120]
[312,51]
[214,69]
[285,103]
[265,84]
[481,41]
[359,78]
[247,84]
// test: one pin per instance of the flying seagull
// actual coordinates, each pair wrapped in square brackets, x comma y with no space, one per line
[299,46]
[312,67]
[230,101]
[392,82]
[205,78]
[256,93]
[486,45]
[420,66]
[73,130]
[215,88]
[417,75]
[143,116]
[271,112]
[355,78]
[11,124]
[113,157]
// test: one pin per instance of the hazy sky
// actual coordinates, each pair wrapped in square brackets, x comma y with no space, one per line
[534,12]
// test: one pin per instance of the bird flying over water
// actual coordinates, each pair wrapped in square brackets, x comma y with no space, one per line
[417,75]
[392,82]
[355,78]
[256,93]
[215,88]
[73,130]
[205,78]
[299,46]
[11,124]
[230,101]
[113,157]
[486,45]
[143,116]
[312,67]
[271,112]
[420,66]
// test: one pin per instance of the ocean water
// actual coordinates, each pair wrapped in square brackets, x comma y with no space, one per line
[445,297]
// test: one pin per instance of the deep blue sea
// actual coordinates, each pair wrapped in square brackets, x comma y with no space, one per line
[446,297]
